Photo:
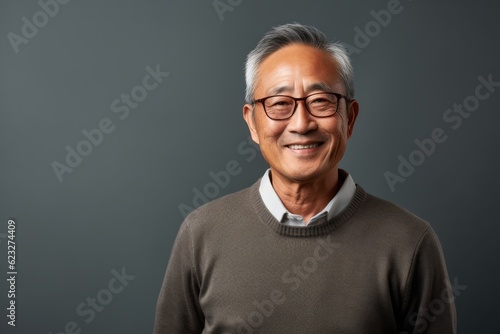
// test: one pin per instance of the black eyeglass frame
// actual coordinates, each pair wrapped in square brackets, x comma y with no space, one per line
[296,99]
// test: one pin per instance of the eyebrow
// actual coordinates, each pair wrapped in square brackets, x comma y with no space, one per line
[280,89]
[323,86]
[319,86]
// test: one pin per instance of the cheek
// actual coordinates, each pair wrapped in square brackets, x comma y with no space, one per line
[269,132]
[342,126]
[338,136]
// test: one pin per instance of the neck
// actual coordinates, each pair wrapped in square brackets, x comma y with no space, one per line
[306,198]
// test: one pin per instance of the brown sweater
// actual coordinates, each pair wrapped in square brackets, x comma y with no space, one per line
[374,268]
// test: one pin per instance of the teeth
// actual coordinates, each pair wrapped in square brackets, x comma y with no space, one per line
[302,147]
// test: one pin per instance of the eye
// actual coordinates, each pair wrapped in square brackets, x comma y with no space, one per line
[280,103]
[320,100]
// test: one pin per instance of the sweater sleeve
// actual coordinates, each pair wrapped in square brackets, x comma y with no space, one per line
[178,309]
[428,301]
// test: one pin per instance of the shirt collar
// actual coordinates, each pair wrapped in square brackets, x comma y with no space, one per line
[338,203]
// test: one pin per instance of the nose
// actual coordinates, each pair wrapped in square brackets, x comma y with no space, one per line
[302,121]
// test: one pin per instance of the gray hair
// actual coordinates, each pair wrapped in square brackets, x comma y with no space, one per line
[293,33]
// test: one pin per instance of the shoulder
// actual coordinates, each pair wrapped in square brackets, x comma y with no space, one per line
[222,211]
[389,210]
[392,221]
[223,206]
[399,235]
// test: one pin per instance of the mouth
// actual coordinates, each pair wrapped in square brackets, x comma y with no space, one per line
[303,146]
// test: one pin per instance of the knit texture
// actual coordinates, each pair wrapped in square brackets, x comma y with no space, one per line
[374,268]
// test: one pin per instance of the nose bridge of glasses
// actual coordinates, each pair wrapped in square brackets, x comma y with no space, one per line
[299,99]
[306,112]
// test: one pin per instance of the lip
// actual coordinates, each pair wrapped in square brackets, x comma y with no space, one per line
[312,144]
[304,148]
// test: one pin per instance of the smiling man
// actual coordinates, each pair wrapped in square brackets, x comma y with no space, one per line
[305,249]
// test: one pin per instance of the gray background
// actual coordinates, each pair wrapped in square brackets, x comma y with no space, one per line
[120,207]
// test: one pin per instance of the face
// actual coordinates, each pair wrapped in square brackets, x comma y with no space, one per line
[302,148]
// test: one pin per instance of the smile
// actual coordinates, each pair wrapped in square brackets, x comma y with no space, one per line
[303,147]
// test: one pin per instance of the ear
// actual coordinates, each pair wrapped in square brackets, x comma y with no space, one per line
[352,114]
[248,115]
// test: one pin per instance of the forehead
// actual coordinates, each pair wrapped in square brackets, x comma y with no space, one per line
[297,68]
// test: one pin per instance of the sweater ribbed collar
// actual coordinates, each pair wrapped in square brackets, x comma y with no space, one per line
[305,231]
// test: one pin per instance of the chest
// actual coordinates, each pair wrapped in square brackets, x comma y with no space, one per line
[315,285]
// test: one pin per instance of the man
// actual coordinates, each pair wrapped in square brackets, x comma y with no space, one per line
[305,249]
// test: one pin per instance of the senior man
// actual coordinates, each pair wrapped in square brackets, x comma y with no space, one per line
[304,249]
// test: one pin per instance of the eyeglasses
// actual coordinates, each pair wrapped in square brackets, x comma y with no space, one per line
[281,107]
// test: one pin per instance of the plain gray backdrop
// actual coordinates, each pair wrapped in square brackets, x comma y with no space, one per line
[120,206]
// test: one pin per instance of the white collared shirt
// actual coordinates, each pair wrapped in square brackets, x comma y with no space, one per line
[338,203]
